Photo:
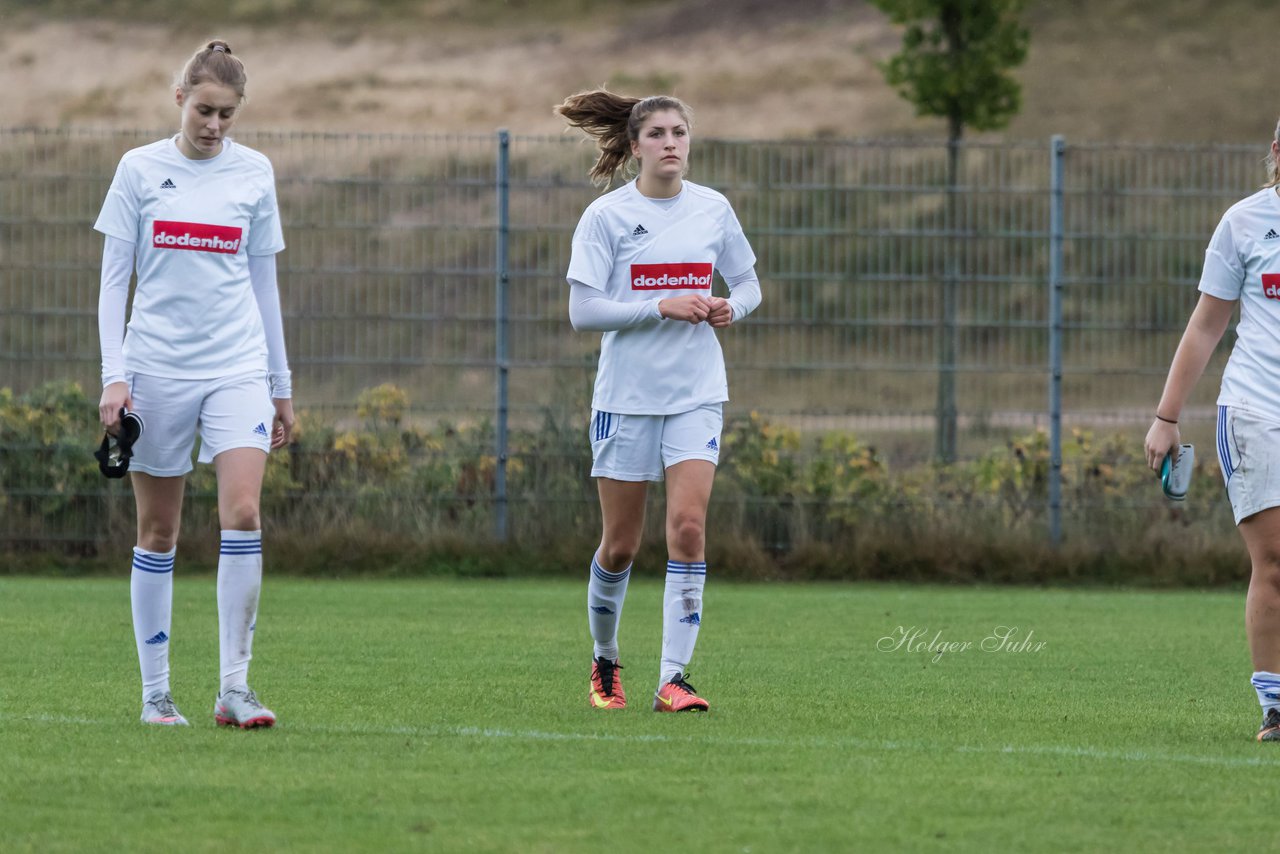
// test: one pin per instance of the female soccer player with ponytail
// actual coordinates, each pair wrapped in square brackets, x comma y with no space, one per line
[204,353]
[1241,267]
[640,272]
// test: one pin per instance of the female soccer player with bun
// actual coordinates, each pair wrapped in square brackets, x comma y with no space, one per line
[204,354]
[1242,265]
[640,272]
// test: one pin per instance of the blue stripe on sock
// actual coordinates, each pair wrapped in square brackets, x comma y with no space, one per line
[608,577]
[678,568]
[242,547]
[160,567]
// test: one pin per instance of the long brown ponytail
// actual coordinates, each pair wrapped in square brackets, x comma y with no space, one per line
[614,121]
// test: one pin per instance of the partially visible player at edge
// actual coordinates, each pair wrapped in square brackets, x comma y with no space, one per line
[1242,265]
[640,272]
[204,353]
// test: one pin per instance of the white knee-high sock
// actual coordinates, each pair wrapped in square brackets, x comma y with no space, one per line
[605,593]
[681,616]
[151,595]
[239,583]
[1268,687]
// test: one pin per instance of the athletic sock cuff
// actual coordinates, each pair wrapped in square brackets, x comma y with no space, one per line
[691,570]
[241,542]
[1265,679]
[608,577]
[154,562]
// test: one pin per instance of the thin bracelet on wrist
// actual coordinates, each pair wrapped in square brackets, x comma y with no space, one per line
[1160,417]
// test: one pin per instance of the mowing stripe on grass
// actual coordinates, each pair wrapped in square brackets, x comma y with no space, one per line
[1139,756]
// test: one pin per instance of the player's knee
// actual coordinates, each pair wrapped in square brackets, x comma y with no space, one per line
[687,533]
[157,535]
[1266,570]
[241,516]
[157,545]
[616,556]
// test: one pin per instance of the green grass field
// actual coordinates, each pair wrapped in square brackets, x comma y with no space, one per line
[452,716]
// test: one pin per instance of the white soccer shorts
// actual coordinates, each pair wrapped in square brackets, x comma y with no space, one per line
[226,413]
[642,447]
[1249,456]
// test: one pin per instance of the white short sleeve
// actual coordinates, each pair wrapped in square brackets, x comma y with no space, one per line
[591,259]
[736,258]
[1223,275]
[120,214]
[265,234]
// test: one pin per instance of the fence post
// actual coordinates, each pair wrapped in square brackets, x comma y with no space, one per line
[1057,147]
[500,320]
[945,438]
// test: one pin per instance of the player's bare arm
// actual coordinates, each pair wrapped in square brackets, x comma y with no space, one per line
[1204,330]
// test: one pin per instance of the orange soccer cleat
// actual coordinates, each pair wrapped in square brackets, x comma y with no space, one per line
[679,696]
[606,685]
[1270,729]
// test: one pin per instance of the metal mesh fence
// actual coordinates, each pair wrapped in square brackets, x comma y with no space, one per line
[392,259]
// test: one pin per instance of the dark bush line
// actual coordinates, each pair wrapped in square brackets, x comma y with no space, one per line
[386,497]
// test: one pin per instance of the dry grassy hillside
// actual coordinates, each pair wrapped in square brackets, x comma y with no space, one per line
[1137,70]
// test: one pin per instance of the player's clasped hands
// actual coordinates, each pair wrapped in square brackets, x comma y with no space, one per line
[720,314]
[695,308]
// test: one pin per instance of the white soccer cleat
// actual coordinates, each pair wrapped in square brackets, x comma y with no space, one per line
[240,707]
[1176,471]
[159,709]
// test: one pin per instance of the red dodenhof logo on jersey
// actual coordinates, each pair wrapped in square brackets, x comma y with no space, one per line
[1271,285]
[655,277]
[195,236]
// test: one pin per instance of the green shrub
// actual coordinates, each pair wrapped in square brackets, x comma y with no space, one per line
[51,484]
[380,491]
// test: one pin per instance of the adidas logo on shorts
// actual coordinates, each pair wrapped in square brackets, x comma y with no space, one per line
[261,429]
[712,446]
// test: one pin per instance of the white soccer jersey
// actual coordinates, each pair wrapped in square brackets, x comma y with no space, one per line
[193,224]
[1243,263]
[634,249]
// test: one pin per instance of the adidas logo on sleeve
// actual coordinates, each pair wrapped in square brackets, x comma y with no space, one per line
[1270,235]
